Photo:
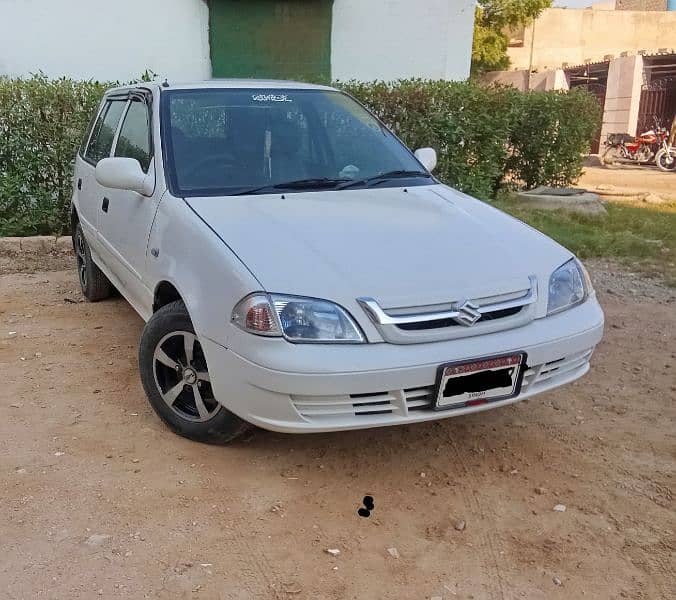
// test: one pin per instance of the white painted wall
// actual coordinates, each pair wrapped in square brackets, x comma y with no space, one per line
[105,39]
[118,39]
[392,39]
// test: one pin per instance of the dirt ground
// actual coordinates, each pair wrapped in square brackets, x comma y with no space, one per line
[101,500]
[629,178]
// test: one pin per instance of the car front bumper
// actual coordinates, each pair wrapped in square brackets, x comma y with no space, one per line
[314,388]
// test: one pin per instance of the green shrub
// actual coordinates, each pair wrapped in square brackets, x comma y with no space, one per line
[468,126]
[483,135]
[41,126]
[552,132]
[486,134]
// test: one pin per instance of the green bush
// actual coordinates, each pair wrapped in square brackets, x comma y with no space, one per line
[468,126]
[41,126]
[551,134]
[483,136]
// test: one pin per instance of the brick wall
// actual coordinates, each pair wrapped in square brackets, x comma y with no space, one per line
[641,5]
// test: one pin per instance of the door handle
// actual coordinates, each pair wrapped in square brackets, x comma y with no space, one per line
[104,206]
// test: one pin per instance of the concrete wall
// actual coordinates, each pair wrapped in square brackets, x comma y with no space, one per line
[623,95]
[554,79]
[575,36]
[641,5]
[105,40]
[391,39]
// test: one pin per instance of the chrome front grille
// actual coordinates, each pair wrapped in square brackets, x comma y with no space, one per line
[384,406]
[453,320]
[488,316]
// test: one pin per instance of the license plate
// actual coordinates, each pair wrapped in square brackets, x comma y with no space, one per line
[480,381]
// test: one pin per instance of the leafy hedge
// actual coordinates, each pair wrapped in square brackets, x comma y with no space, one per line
[486,135]
[41,126]
[468,125]
[483,136]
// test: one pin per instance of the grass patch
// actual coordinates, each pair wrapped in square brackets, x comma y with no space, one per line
[643,236]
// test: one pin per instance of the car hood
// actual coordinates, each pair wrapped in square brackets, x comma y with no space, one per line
[403,247]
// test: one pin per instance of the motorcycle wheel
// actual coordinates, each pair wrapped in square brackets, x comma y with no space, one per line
[666,161]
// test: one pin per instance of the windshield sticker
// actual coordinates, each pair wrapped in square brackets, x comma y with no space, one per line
[271,98]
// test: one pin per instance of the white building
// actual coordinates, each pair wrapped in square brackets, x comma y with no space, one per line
[199,39]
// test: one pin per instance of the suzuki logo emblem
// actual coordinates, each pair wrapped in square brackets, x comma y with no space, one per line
[469,314]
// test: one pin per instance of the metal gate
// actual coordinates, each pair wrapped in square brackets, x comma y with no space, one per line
[658,101]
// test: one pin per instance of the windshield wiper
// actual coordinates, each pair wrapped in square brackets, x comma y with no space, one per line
[299,184]
[376,179]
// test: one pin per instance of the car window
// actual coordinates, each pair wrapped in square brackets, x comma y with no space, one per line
[223,141]
[101,142]
[134,138]
[93,122]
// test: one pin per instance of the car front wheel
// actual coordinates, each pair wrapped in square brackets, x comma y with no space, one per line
[176,379]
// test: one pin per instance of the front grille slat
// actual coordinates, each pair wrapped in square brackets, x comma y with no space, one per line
[384,405]
[442,323]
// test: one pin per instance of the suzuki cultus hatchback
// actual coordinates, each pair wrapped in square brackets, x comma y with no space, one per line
[299,269]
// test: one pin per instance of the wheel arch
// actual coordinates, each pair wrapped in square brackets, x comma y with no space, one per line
[165,293]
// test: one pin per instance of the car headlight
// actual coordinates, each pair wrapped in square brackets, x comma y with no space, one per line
[300,320]
[569,286]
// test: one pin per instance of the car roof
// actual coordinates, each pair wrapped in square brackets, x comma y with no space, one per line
[268,84]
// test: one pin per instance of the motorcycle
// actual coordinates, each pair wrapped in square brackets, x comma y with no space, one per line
[665,158]
[625,148]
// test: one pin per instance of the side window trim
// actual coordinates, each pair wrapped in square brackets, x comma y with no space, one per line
[90,131]
[123,116]
[105,107]
[138,95]
[147,98]
[144,96]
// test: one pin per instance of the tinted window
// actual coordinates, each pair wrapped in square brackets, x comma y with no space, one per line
[225,141]
[134,138]
[93,122]
[101,141]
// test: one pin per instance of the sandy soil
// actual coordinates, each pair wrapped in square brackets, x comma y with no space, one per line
[629,179]
[100,500]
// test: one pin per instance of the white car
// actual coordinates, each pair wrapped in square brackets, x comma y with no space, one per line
[301,270]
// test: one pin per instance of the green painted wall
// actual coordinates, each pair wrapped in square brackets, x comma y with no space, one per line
[281,39]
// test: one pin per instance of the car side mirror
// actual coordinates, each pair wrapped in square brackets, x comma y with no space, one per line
[428,158]
[123,174]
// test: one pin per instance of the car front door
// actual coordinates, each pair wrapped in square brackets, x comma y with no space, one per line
[98,146]
[127,216]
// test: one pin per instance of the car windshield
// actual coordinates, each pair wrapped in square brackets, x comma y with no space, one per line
[246,141]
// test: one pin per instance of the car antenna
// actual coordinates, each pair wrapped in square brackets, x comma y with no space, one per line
[166,83]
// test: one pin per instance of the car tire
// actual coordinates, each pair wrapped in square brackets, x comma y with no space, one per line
[94,284]
[176,379]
